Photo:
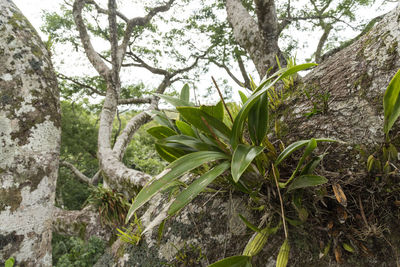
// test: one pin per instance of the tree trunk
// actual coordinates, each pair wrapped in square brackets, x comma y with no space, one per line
[29,141]
[209,229]
[259,38]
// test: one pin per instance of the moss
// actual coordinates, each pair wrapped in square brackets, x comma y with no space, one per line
[17,21]
[81,229]
[144,256]
[363,83]
[10,197]
[13,239]
[37,51]
[392,50]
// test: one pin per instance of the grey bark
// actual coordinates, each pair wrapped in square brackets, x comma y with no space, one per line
[29,141]
[356,78]
[83,223]
[259,38]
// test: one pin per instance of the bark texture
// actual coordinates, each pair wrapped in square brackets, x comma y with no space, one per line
[29,141]
[208,229]
[83,223]
[259,38]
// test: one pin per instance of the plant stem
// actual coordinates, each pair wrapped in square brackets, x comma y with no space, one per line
[222,99]
[281,201]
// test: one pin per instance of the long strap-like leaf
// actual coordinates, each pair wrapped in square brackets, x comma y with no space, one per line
[173,171]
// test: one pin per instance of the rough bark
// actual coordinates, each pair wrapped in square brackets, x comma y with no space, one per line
[29,141]
[356,78]
[83,223]
[259,39]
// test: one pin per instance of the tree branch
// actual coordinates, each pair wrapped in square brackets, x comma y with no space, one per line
[244,72]
[140,21]
[321,42]
[78,174]
[267,19]
[91,88]
[228,71]
[143,64]
[133,100]
[91,54]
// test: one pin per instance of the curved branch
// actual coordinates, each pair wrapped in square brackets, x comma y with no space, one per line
[244,72]
[91,54]
[133,100]
[125,137]
[228,71]
[91,88]
[81,177]
[140,119]
[321,43]
[140,21]
[78,174]
[106,12]
[143,64]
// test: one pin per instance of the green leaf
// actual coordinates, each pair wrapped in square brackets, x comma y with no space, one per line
[216,111]
[168,153]
[185,128]
[310,167]
[241,159]
[191,142]
[297,145]
[311,145]
[161,118]
[185,93]
[161,231]
[249,224]
[237,130]
[234,261]
[196,187]
[391,103]
[243,97]
[10,262]
[194,116]
[161,132]
[176,102]
[172,172]
[258,120]
[307,181]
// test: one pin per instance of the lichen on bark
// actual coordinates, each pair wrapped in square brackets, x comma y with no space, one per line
[29,141]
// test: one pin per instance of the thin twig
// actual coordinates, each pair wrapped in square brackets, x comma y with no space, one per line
[281,201]
[223,101]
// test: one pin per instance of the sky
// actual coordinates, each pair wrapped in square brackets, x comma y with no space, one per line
[78,64]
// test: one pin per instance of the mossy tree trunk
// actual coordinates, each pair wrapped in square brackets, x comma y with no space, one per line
[29,141]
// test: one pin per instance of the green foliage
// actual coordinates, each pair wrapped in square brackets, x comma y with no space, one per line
[79,147]
[111,205]
[391,103]
[73,251]
[213,143]
[132,233]
[9,262]
[234,261]
[214,147]
[241,159]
